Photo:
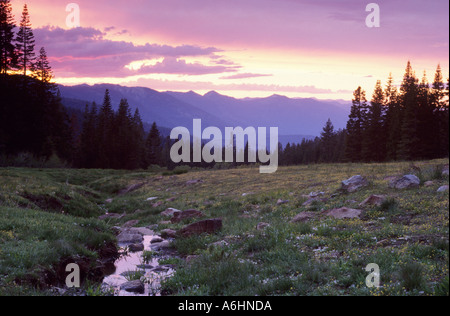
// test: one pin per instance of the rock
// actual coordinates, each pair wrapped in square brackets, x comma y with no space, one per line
[192,182]
[373,200]
[109,201]
[281,202]
[354,184]
[344,212]
[303,217]
[208,226]
[245,194]
[135,286]
[405,182]
[112,215]
[136,247]
[316,194]
[443,188]
[179,216]
[171,199]
[129,238]
[115,280]
[262,226]
[156,240]
[144,231]
[170,212]
[152,198]
[445,171]
[161,245]
[130,223]
[428,183]
[168,233]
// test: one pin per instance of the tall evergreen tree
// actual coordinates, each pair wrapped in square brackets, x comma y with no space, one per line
[105,126]
[328,142]
[8,58]
[409,142]
[439,103]
[42,70]
[153,146]
[25,43]
[373,147]
[393,121]
[355,126]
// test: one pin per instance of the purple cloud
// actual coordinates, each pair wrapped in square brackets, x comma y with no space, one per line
[86,52]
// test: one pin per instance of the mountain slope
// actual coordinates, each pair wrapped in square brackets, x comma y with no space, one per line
[294,117]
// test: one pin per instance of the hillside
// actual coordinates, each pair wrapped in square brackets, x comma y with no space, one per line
[301,117]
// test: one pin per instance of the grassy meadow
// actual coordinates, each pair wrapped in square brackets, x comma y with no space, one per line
[48,216]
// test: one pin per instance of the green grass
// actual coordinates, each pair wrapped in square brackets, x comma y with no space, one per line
[407,236]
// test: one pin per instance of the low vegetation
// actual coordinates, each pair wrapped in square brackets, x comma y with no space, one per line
[406,235]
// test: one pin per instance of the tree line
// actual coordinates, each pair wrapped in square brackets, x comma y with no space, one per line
[408,122]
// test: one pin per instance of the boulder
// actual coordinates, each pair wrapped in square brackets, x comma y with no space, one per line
[114,280]
[144,231]
[135,286]
[354,183]
[344,212]
[208,226]
[443,188]
[129,238]
[168,233]
[169,212]
[303,217]
[179,216]
[136,247]
[428,183]
[405,182]
[130,223]
[373,200]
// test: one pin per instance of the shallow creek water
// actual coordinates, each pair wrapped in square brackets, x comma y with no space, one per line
[153,272]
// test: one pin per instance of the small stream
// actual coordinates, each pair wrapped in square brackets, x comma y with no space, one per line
[133,263]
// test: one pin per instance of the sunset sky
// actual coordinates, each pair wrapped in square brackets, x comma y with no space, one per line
[242,48]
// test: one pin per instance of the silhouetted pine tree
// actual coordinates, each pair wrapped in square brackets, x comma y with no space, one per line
[153,146]
[8,57]
[25,43]
[409,141]
[328,142]
[373,147]
[393,121]
[355,126]
[439,103]
[104,131]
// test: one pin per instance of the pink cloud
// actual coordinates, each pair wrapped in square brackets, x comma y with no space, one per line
[245,76]
[85,52]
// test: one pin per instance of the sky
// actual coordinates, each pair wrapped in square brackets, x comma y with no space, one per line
[241,48]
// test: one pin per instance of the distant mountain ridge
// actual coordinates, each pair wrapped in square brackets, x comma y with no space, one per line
[295,118]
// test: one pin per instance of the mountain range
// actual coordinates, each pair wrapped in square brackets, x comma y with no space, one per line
[296,118]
